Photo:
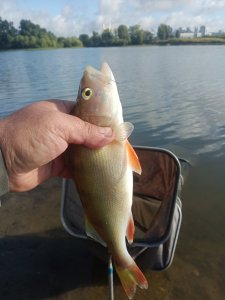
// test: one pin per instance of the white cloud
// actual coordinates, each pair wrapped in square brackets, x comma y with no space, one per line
[10,11]
[176,13]
[155,5]
[107,7]
[66,23]
[174,5]
[72,19]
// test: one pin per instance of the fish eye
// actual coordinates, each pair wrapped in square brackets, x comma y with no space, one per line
[87,93]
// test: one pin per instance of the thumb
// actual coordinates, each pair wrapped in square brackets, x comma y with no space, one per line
[92,136]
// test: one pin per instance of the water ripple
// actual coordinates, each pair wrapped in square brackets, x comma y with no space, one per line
[171,94]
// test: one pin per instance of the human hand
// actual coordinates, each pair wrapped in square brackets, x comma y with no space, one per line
[33,141]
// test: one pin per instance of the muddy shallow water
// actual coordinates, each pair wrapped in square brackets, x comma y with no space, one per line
[39,260]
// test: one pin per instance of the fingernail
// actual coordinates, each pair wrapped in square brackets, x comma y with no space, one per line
[107,131]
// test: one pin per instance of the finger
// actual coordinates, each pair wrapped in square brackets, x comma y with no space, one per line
[95,136]
[79,132]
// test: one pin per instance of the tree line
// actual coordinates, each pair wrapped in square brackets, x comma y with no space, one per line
[121,36]
[30,35]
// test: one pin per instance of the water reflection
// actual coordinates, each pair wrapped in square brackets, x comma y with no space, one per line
[171,94]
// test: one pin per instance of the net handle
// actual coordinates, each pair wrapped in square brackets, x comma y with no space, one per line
[110,278]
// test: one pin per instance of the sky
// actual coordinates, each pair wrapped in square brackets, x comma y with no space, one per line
[71,18]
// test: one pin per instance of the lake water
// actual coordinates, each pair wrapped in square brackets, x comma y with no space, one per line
[175,97]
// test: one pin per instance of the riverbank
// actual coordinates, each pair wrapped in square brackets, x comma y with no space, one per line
[170,42]
[194,41]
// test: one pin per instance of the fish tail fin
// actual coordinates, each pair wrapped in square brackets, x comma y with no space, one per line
[130,277]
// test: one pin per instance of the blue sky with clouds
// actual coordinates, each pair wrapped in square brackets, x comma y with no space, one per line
[70,18]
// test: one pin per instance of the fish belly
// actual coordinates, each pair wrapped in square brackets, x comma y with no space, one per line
[104,182]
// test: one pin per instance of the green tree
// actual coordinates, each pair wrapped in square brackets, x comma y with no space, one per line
[33,41]
[75,42]
[7,34]
[85,39]
[7,27]
[123,33]
[107,37]
[164,32]
[28,28]
[43,42]
[17,42]
[136,35]
[38,37]
[60,42]
[122,37]
[95,40]
[148,37]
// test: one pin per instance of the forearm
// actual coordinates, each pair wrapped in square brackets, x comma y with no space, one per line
[4,182]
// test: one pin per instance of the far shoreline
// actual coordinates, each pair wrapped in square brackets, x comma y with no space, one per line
[160,44]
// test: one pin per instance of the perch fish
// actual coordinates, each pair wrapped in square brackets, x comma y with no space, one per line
[104,176]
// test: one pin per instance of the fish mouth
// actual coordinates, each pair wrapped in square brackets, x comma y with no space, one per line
[104,74]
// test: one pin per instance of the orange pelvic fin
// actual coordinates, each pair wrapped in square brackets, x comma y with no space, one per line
[130,229]
[133,159]
[130,277]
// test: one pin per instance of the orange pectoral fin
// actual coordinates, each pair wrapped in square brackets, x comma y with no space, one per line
[130,229]
[133,159]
